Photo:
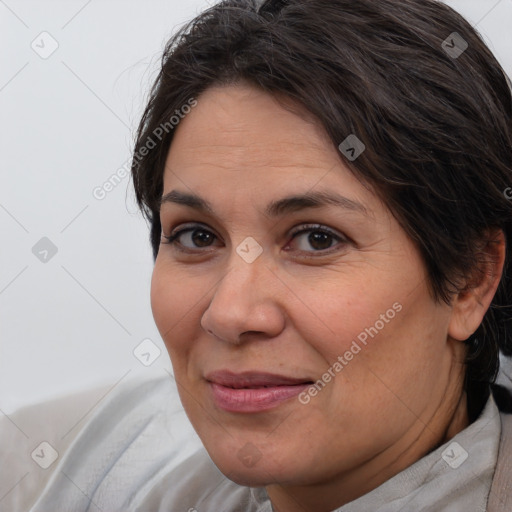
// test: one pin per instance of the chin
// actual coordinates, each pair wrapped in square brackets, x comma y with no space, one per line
[250,468]
[249,478]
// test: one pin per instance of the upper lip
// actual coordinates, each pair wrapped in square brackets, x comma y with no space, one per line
[251,379]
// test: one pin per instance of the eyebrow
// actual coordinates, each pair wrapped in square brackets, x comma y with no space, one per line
[275,208]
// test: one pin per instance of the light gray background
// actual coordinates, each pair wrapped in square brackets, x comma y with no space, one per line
[67,125]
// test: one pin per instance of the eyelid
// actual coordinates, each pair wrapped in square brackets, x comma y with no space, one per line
[320,227]
[190,225]
[302,228]
[186,227]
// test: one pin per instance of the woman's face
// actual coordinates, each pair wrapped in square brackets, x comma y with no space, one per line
[264,290]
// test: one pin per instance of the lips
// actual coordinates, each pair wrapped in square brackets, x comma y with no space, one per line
[252,379]
[253,391]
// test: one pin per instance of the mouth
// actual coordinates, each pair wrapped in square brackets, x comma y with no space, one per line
[251,392]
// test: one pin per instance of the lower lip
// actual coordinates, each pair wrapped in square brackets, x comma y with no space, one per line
[255,399]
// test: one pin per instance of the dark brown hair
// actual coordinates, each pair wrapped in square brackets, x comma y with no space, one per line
[437,125]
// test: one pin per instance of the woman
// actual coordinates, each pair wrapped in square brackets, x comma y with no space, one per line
[331,241]
[328,185]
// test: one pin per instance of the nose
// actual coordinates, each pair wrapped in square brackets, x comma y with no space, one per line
[245,303]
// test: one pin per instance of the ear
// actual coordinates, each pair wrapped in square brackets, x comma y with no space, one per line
[472,302]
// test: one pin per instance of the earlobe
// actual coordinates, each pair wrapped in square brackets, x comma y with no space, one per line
[473,301]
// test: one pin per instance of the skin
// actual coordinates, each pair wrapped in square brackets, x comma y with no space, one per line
[297,307]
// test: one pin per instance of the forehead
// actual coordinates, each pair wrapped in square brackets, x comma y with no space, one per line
[239,124]
[239,142]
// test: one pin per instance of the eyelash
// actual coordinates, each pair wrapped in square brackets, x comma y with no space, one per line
[306,228]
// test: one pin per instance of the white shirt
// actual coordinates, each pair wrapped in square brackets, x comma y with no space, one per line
[138,452]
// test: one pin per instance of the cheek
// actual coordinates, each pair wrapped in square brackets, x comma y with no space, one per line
[399,362]
[342,313]
[160,298]
[383,324]
[172,303]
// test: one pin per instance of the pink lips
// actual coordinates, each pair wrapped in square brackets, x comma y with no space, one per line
[252,391]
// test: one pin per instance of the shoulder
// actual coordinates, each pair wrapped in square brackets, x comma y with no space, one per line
[500,496]
[137,433]
[34,438]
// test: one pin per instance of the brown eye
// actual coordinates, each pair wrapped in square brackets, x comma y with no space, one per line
[201,238]
[191,238]
[319,238]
